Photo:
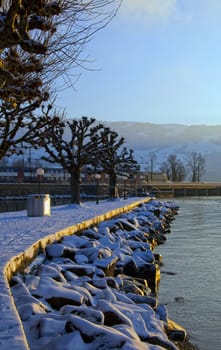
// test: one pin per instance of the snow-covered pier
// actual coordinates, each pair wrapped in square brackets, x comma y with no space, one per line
[88,289]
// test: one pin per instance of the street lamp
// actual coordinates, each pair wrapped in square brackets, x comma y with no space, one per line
[125,188]
[125,177]
[40,173]
[97,177]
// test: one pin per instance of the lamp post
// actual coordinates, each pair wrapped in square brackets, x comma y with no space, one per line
[40,173]
[125,188]
[97,177]
[125,177]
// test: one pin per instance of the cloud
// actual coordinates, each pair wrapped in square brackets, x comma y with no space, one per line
[150,9]
[178,10]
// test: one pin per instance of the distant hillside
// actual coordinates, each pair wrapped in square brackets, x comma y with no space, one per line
[164,139]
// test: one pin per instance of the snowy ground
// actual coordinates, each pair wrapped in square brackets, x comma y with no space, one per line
[89,296]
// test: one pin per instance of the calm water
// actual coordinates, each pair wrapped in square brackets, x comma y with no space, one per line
[193,253]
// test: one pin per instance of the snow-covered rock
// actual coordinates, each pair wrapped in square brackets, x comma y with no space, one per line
[74,300]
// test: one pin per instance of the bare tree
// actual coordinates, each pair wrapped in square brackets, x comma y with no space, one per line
[116,160]
[20,17]
[74,145]
[196,164]
[20,129]
[152,157]
[49,34]
[165,168]
[39,41]
[75,27]
[173,168]
[85,144]
[26,27]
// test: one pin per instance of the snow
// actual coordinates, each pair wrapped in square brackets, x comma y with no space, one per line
[65,305]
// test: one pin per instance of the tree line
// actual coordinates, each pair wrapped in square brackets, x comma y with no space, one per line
[88,146]
[83,144]
[193,167]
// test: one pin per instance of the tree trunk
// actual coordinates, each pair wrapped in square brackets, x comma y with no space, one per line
[194,176]
[75,188]
[113,191]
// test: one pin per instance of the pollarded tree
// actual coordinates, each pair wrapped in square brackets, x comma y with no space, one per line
[39,41]
[116,160]
[21,128]
[26,27]
[74,144]
[49,34]
[19,18]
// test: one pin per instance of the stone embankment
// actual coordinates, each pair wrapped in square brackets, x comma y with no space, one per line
[100,286]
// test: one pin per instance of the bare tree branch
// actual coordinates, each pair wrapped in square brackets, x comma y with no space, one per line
[74,145]
[39,41]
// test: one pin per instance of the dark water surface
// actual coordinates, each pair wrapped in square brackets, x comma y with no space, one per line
[193,253]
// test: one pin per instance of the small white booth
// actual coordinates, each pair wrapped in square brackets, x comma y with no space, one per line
[39,204]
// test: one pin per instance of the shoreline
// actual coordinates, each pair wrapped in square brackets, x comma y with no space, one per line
[185,344]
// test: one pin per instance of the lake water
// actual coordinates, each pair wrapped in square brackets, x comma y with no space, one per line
[191,276]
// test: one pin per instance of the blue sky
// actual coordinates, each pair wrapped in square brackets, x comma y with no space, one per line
[158,61]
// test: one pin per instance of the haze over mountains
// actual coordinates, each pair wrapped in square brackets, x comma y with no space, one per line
[165,139]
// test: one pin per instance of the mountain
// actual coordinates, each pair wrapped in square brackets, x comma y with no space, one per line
[165,139]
